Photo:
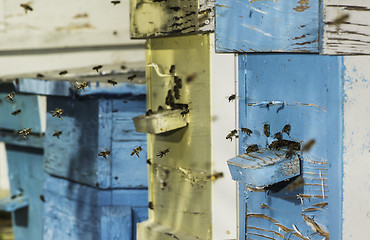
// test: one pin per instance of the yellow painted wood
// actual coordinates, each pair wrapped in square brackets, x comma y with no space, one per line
[183,206]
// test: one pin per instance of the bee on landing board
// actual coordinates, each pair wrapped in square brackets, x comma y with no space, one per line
[25,132]
[136,151]
[247,131]
[57,113]
[104,153]
[163,152]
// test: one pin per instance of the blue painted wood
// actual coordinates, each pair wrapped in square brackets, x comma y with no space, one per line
[76,211]
[11,204]
[28,118]
[26,177]
[263,168]
[267,26]
[296,90]
[90,125]
[116,223]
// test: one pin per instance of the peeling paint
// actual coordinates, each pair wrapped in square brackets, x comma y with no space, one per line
[303,6]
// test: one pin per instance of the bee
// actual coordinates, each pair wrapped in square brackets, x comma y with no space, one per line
[57,113]
[178,81]
[10,96]
[61,73]
[26,7]
[172,69]
[191,77]
[57,134]
[160,108]
[148,162]
[163,185]
[163,152]
[25,132]
[82,86]
[97,68]
[246,131]
[104,153]
[183,113]
[279,144]
[176,90]
[290,153]
[170,100]
[112,82]
[278,136]
[266,130]
[287,129]
[16,112]
[232,97]
[307,146]
[151,205]
[136,151]
[115,2]
[340,19]
[149,112]
[39,75]
[42,198]
[231,134]
[132,77]
[252,148]
[123,67]
[215,176]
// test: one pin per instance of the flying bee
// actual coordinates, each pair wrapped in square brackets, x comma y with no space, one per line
[287,129]
[136,151]
[26,7]
[112,82]
[163,152]
[132,77]
[57,113]
[57,134]
[231,134]
[232,97]
[246,131]
[10,96]
[16,112]
[42,198]
[39,75]
[266,130]
[191,77]
[25,132]
[252,148]
[183,113]
[82,86]
[215,176]
[172,69]
[61,73]
[97,68]
[307,146]
[115,2]
[104,153]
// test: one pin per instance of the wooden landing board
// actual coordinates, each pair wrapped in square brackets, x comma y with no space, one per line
[156,18]
[346,27]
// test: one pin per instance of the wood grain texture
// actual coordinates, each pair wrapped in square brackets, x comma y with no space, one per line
[156,18]
[267,26]
[346,27]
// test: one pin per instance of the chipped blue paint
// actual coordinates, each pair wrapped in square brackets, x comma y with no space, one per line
[309,85]
[90,125]
[74,211]
[267,26]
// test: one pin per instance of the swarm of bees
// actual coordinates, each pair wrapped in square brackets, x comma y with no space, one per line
[136,151]
[25,132]
[163,152]
[57,113]
[104,153]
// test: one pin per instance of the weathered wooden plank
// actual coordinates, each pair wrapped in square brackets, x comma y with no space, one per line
[346,27]
[155,18]
[267,26]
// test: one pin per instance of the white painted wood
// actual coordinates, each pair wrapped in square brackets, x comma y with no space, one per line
[2,17]
[224,199]
[64,23]
[347,27]
[356,149]
[4,180]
